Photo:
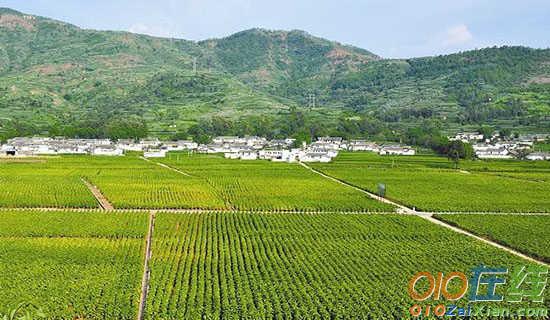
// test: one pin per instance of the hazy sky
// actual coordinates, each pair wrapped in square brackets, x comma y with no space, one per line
[399,28]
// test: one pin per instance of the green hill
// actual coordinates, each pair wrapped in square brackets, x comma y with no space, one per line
[56,78]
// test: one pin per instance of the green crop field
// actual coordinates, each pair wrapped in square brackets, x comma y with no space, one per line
[528,234]
[261,185]
[41,183]
[299,266]
[127,182]
[131,182]
[431,183]
[72,265]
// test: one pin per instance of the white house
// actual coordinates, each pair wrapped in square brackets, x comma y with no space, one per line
[275,155]
[107,150]
[180,145]
[248,154]
[242,154]
[72,149]
[537,156]
[8,150]
[494,153]
[130,145]
[315,157]
[363,145]
[467,137]
[150,143]
[226,139]
[155,153]
[333,143]
[397,150]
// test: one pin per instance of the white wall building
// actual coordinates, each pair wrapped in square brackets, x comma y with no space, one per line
[538,156]
[155,154]
[107,150]
[397,150]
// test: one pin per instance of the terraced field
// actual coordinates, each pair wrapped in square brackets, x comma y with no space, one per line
[72,265]
[528,234]
[265,186]
[432,184]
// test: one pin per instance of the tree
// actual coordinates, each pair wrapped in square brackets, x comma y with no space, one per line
[486,131]
[180,134]
[459,150]
[132,127]
[505,132]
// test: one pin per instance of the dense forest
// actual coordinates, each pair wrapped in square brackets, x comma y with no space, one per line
[58,79]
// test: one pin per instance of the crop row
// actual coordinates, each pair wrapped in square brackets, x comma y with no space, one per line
[299,266]
[72,265]
[425,183]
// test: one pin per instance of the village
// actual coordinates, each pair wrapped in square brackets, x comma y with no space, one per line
[243,148]
[324,149]
[498,147]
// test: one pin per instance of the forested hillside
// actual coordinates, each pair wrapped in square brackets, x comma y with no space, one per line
[58,79]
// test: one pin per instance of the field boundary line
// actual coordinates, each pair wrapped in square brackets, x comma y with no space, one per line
[146,268]
[401,208]
[487,213]
[429,217]
[167,167]
[274,211]
[103,202]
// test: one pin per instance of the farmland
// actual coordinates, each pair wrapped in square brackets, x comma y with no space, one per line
[280,242]
[303,266]
[432,184]
[41,183]
[528,234]
[213,183]
[72,265]
[127,182]
[263,186]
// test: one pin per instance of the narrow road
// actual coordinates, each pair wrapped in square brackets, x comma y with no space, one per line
[167,167]
[103,202]
[429,217]
[400,208]
[146,269]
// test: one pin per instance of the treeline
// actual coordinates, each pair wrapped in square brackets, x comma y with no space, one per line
[295,124]
[129,127]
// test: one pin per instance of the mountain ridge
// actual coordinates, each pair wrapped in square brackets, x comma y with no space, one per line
[57,78]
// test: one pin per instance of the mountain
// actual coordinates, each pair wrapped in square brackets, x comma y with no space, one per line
[56,78]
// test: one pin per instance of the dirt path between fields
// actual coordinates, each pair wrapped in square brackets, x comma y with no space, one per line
[103,202]
[400,208]
[167,167]
[146,268]
[429,217]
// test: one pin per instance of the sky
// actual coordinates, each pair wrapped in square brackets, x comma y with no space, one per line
[389,28]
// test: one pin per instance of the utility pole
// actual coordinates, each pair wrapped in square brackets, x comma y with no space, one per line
[311,100]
